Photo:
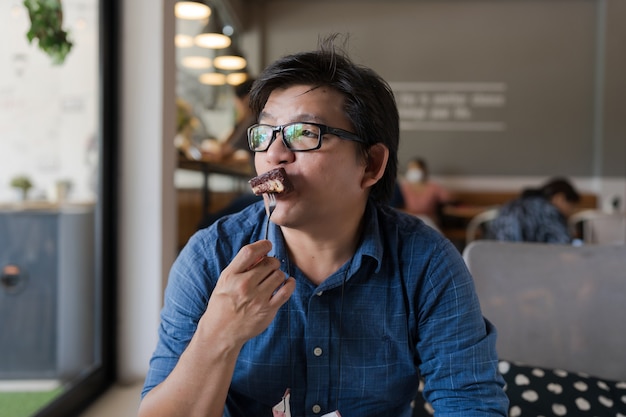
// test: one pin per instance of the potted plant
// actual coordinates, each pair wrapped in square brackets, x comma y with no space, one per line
[62,189]
[22,183]
[46,25]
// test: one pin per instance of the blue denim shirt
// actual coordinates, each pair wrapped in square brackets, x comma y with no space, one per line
[408,308]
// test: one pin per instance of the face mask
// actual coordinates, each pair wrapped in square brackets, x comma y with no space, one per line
[414,175]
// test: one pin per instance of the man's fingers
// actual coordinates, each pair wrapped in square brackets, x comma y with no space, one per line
[249,255]
[284,291]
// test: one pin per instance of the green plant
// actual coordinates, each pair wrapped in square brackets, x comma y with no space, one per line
[22,182]
[46,17]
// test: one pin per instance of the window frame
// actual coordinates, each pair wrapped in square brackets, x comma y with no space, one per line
[84,390]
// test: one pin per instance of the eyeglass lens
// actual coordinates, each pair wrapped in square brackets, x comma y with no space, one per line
[296,136]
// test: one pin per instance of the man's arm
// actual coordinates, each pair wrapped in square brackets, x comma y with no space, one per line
[244,302]
[457,345]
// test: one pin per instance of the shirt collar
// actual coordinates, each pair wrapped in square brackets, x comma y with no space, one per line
[371,241]
[370,246]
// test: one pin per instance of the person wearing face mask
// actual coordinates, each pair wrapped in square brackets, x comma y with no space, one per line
[422,196]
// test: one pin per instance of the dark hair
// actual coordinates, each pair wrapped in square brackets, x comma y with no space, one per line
[369,102]
[243,89]
[553,187]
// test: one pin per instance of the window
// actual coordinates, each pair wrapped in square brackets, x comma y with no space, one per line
[57,258]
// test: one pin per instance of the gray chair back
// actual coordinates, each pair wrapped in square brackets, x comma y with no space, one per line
[555,306]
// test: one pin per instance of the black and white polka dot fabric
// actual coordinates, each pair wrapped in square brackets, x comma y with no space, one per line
[540,392]
[546,392]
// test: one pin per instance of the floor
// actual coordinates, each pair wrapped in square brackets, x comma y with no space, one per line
[119,401]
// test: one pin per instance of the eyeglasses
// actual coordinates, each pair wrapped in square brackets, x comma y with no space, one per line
[297,137]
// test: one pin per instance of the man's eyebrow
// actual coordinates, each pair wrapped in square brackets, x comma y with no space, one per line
[301,117]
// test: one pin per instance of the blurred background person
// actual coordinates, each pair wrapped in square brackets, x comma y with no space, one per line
[235,148]
[190,131]
[238,138]
[538,215]
[420,195]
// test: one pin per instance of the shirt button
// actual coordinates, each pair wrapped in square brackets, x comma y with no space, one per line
[317,351]
[319,294]
[316,409]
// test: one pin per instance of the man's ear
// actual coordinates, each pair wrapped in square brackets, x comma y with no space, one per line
[377,157]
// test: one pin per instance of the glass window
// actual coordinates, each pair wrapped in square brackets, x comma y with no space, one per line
[58,133]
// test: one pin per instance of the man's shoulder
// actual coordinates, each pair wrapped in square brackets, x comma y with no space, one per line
[248,215]
[397,224]
[235,226]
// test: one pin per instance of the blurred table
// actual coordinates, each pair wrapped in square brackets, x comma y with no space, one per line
[466,212]
[237,169]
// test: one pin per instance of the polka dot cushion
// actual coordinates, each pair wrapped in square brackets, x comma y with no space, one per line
[541,392]
[547,392]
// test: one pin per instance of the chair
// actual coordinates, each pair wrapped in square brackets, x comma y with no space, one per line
[429,222]
[555,306]
[475,227]
[596,226]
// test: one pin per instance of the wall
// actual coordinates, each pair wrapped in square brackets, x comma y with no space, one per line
[147,222]
[526,89]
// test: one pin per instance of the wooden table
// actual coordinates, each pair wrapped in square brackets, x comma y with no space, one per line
[466,212]
[239,170]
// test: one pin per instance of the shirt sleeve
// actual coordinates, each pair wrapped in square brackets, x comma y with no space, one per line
[189,285]
[191,281]
[457,345]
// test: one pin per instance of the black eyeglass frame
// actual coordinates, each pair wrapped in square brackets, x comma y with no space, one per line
[324,130]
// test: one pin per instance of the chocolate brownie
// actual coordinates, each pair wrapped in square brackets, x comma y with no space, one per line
[274,181]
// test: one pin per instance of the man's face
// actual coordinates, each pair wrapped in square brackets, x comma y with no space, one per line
[327,181]
[566,208]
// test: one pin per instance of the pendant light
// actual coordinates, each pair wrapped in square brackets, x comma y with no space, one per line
[196,62]
[183,41]
[236,78]
[230,59]
[191,10]
[212,35]
[212,78]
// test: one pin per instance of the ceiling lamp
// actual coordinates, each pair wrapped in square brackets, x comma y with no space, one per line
[212,35]
[236,78]
[192,10]
[183,41]
[196,62]
[212,78]
[231,60]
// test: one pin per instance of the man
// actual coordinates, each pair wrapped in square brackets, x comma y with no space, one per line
[348,302]
[538,215]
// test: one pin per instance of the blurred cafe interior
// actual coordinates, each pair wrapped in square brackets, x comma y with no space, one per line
[110,148]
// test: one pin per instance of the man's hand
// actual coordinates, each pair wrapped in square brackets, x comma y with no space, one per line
[247,296]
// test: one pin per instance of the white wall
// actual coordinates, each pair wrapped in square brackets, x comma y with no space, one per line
[147,222]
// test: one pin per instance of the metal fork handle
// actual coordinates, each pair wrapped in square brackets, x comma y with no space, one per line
[270,205]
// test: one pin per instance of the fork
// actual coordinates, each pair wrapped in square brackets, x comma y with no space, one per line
[270,205]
